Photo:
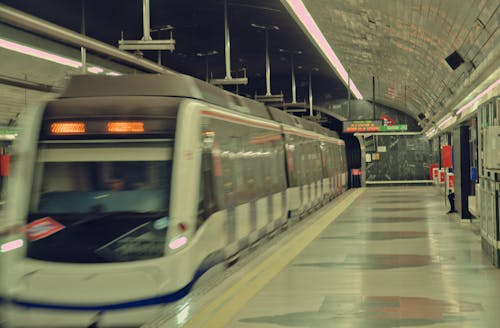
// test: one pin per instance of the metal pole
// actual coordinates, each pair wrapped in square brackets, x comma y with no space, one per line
[145,20]
[206,69]
[227,42]
[373,95]
[82,49]
[310,94]
[34,24]
[268,65]
[294,88]
[348,94]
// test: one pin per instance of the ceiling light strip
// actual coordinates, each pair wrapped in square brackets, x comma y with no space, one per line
[38,53]
[95,70]
[305,18]
[26,50]
[430,133]
[450,117]
[479,96]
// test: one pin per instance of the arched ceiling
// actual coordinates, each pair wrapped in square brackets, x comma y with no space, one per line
[403,44]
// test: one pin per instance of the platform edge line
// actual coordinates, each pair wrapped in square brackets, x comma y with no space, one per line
[218,315]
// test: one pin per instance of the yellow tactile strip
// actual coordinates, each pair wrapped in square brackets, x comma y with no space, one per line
[222,309]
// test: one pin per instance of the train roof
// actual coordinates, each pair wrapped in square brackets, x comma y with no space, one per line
[182,86]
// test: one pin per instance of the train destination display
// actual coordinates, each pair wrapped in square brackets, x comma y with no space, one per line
[371,126]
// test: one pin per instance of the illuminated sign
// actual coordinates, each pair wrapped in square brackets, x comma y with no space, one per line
[394,128]
[372,126]
[361,126]
[387,120]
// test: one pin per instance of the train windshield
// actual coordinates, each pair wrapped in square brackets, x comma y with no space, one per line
[101,202]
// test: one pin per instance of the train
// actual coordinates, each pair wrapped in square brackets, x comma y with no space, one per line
[126,189]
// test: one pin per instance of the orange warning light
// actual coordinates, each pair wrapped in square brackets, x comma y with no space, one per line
[125,127]
[65,128]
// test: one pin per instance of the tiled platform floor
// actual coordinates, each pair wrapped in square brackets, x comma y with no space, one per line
[394,258]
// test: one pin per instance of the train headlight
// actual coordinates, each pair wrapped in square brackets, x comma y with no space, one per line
[11,245]
[178,242]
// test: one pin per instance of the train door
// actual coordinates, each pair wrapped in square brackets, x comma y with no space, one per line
[324,172]
[228,188]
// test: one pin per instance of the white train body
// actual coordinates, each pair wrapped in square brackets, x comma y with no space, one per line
[149,181]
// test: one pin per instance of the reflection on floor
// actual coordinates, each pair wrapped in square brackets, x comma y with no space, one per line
[392,259]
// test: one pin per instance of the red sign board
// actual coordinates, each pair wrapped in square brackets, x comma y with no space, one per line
[42,228]
[441,176]
[431,167]
[4,165]
[447,156]
[387,120]
[451,181]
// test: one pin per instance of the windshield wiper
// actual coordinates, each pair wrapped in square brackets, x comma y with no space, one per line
[98,216]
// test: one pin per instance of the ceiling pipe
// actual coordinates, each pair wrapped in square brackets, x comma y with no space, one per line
[268,97]
[348,94]
[268,62]
[227,43]
[373,95]
[206,55]
[228,79]
[268,66]
[311,90]
[145,21]
[42,27]
[294,86]
[25,84]
[83,51]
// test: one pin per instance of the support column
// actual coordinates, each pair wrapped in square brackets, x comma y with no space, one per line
[461,161]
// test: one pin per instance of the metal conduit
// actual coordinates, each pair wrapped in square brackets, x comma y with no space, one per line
[34,24]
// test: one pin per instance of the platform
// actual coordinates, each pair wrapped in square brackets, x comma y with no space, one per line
[392,258]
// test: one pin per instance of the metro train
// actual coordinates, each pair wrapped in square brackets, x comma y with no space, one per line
[126,189]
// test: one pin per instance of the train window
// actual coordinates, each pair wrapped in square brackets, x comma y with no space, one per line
[112,204]
[299,160]
[207,202]
[292,160]
[227,174]
[251,162]
[278,165]
[265,155]
[332,159]
[254,171]
[238,170]
[103,187]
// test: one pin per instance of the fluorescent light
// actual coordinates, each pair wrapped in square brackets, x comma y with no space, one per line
[476,98]
[446,120]
[95,70]
[314,32]
[178,242]
[39,53]
[11,245]
[430,133]
[26,50]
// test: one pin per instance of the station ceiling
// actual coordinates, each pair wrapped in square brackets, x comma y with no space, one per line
[399,45]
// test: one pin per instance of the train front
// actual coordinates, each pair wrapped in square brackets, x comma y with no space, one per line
[92,187]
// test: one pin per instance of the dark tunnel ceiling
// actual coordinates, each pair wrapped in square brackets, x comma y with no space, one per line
[199,27]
